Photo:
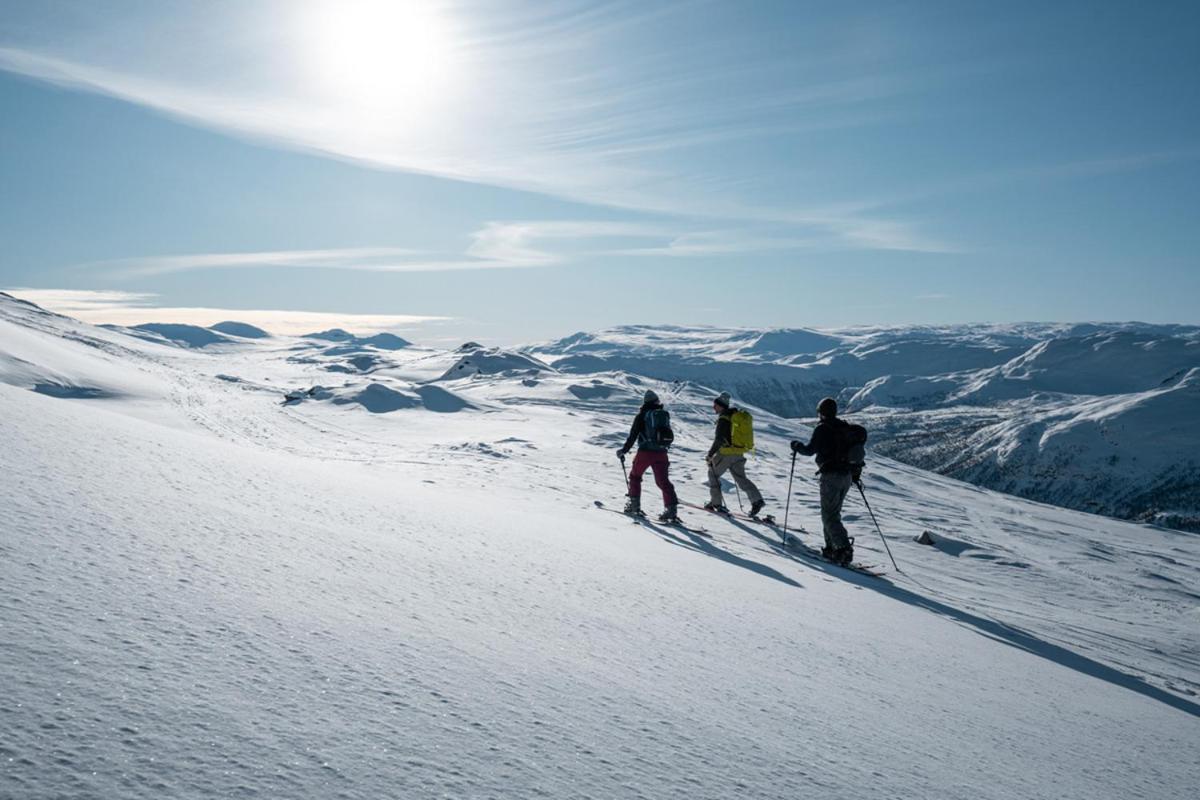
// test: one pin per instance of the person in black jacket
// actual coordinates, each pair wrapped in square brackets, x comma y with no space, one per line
[837,476]
[651,454]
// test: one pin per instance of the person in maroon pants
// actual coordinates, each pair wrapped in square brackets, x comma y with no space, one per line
[652,431]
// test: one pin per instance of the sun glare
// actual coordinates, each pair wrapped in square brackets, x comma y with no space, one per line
[379,54]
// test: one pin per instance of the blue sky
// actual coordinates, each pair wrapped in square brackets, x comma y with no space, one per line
[515,171]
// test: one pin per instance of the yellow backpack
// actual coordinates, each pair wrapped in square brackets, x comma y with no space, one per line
[741,434]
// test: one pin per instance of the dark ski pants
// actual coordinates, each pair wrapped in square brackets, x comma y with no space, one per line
[834,487]
[656,460]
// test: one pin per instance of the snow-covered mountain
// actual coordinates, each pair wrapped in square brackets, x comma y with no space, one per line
[233,570]
[1099,417]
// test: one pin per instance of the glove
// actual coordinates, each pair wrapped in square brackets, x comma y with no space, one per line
[621,451]
[856,473]
[796,445]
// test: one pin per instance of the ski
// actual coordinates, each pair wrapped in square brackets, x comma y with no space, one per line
[641,517]
[794,545]
[765,519]
[791,542]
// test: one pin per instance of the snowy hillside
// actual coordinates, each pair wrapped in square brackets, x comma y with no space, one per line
[295,567]
[1099,417]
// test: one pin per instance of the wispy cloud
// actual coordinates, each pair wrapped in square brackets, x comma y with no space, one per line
[109,307]
[362,259]
[552,113]
[499,244]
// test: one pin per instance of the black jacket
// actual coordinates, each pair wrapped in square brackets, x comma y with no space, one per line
[724,435]
[824,445]
[639,426]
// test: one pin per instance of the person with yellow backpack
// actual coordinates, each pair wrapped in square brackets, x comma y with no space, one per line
[734,438]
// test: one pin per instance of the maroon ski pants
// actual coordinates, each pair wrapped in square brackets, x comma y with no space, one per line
[656,460]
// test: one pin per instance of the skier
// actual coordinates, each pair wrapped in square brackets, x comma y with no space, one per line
[652,431]
[837,476]
[734,438]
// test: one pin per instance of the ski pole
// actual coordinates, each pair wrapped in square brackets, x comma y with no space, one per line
[739,497]
[787,504]
[626,473]
[881,536]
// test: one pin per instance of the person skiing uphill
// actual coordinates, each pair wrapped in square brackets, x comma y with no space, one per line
[734,438]
[829,443]
[651,430]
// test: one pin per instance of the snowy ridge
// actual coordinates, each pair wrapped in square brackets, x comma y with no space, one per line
[970,401]
[207,589]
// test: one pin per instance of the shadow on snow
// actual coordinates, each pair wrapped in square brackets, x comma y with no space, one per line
[996,631]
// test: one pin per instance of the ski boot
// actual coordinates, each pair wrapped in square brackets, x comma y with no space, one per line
[756,507]
[633,506]
[716,508]
[669,514]
[842,556]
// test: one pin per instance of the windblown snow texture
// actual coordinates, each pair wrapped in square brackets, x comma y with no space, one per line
[206,591]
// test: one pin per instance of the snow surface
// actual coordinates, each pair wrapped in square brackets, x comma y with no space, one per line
[208,591]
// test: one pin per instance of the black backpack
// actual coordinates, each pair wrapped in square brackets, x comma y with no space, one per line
[657,434]
[851,450]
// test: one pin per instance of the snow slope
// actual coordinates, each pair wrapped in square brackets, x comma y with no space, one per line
[972,402]
[206,591]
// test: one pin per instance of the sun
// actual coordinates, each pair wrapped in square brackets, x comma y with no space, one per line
[378,54]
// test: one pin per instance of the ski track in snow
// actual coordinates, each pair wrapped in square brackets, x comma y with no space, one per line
[204,592]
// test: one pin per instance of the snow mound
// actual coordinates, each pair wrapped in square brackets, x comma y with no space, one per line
[183,335]
[356,365]
[331,335]
[243,330]
[385,341]
[441,401]
[597,390]
[494,361]
[380,399]
[382,341]
[71,392]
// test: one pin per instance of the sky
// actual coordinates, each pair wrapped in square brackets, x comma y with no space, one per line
[518,171]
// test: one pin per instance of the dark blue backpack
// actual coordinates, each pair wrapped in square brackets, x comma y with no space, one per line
[657,434]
